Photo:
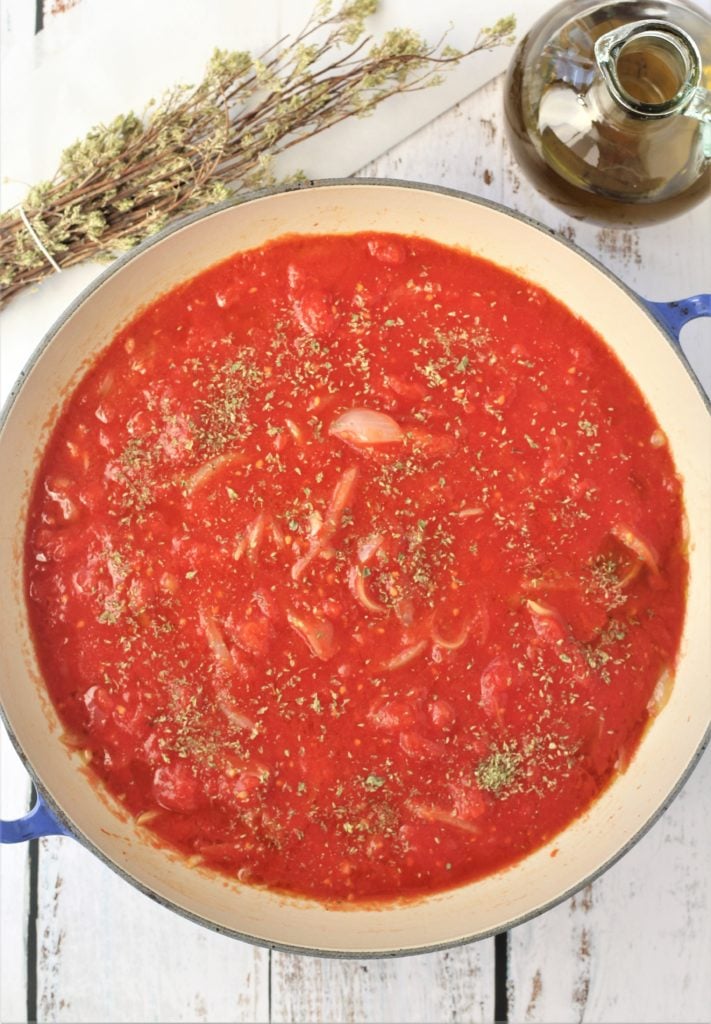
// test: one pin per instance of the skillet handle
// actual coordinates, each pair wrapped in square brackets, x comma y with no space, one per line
[673,315]
[36,823]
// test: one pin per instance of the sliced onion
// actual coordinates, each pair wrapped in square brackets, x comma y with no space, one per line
[277,533]
[552,583]
[340,499]
[237,719]
[318,633]
[205,473]
[552,628]
[295,431]
[216,641]
[631,574]
[301,564]
[252,539]
[267,604]
[369,546]
[662,692]
[637,545]
[455,642]
[405,656]
[438,814]
[542,611]
[70,512]
[356,582]
[366,428]
[469,513]
[405,610]
[145,816]
[547,622]
[255,534]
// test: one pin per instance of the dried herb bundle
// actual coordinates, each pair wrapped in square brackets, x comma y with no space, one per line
[203,143]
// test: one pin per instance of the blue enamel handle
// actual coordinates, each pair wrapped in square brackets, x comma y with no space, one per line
[36,823]
[673,315]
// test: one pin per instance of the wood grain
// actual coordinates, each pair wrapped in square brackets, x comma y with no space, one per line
[14,889]
[107,953]
[634,946]
[456,985]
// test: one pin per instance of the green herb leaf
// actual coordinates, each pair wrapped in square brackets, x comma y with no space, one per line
[499,770]
[373,782]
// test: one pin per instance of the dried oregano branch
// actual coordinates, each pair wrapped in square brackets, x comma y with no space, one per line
[203,143]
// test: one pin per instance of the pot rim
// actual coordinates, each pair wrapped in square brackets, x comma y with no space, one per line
[15,391]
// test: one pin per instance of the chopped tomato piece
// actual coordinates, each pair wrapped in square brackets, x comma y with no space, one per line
[314,313]
[176,789]
[420,747]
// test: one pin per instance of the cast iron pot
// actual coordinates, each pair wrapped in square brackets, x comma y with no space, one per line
[644,336]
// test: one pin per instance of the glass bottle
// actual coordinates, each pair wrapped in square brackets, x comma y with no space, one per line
[609,109]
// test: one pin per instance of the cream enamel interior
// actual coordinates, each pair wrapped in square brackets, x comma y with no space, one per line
[669,745]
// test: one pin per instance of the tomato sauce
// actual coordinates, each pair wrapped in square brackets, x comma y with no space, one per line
[354,565]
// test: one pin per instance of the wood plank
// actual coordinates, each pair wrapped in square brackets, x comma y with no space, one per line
[14,891]
[634,945]
[17,22]
[106,952]
[452,986]
[17,27]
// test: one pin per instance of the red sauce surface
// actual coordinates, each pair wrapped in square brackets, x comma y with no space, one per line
[353,564]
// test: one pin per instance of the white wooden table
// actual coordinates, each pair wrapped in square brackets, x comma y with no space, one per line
[79,944]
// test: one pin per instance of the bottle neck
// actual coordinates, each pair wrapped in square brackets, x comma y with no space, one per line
[653,69]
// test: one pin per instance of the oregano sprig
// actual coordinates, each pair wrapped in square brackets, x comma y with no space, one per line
[200,144]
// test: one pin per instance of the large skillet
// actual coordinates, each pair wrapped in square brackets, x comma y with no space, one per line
[644,336]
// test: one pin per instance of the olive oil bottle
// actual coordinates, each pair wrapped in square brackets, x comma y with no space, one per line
[608,108]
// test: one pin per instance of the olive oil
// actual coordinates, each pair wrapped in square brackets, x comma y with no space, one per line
[609,110]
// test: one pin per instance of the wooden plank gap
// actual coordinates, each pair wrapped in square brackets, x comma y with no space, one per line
[501,978]
[16,799]
[269,986]
[32,915]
